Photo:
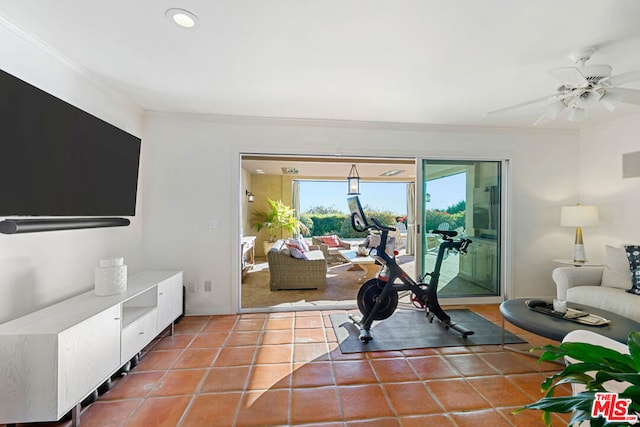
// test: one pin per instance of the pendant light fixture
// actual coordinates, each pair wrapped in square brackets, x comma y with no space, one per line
[353,181]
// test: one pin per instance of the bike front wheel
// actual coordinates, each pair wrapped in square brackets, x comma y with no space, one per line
[369,295]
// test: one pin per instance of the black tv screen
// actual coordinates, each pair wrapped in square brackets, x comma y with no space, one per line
[57,160]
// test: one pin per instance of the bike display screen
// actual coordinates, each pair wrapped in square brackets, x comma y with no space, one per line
[357,214]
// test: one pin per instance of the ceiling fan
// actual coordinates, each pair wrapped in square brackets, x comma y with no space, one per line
[584,87]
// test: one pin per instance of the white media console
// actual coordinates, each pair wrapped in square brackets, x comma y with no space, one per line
[52,359]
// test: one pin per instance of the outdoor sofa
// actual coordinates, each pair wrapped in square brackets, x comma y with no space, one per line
[288,272]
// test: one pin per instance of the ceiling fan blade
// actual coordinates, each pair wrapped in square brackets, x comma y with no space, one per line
[524,104]
[628,96]
[554,109]
[620,79]
[570,77]
[540,120]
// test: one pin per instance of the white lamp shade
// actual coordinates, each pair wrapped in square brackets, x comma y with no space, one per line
[577,114]
[579,216]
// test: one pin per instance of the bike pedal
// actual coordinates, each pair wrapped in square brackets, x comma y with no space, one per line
[417,302]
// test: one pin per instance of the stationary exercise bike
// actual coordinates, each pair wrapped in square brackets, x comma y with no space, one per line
[378,297]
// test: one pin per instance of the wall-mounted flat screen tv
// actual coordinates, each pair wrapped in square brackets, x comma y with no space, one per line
[57,160]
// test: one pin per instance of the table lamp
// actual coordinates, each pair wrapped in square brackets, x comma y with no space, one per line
[579,216]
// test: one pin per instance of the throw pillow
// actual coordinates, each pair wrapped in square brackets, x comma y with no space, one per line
[616,272]
[633,254]
[331,241]
[296,252]
[303,243]
[292,241]
[296,249]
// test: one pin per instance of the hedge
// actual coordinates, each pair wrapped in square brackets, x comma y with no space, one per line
[340,224]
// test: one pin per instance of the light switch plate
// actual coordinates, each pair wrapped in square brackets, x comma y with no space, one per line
[211,223]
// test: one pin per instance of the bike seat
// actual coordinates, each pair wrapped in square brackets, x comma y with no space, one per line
[445,233]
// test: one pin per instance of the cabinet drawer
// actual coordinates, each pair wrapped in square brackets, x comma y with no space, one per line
[169,301]
[87,355]
[138,334]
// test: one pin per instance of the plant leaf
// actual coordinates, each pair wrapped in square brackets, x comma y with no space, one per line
[633,342]
[592,366]
[604,376]
[579,416]
[564,404]
[590,353]
[574,373]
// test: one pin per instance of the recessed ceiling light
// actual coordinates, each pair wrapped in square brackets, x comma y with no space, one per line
[392,172]
[181,17]
[260,171]
[290,171]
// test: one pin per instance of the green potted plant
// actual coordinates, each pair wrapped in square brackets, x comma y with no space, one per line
[278,218]
[594,365]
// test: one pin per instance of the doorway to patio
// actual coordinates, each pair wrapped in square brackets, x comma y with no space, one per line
[301,183]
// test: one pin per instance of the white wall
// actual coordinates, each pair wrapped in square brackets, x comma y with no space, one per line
[193,173]
[601,183]
[39,269]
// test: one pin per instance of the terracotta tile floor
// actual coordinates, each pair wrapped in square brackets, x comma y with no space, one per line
[278,369]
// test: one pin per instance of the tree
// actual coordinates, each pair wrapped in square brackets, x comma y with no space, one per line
[323,210]
[461,206]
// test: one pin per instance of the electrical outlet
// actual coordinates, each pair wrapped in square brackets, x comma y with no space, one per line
[207,285]
[192,286]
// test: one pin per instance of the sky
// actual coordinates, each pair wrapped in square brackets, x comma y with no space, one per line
[387,196]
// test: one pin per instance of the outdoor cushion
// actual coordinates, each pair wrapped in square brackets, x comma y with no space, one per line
[295,248]
[331,241]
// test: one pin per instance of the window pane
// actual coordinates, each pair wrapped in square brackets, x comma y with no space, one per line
[463,196]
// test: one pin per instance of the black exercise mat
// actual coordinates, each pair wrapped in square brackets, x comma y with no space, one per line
[407,329]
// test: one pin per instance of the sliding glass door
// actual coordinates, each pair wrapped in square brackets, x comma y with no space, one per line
[464,196]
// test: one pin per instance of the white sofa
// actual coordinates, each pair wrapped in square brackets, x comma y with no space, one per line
[602,287]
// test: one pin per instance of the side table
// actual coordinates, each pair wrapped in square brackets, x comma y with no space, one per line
[248,253]
[578,263]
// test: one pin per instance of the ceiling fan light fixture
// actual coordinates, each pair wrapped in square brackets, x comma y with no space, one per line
[577,114]
[553,110]
[582,88]
[588,99]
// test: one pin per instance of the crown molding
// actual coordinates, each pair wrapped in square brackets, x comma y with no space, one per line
[64,60]
[348,124]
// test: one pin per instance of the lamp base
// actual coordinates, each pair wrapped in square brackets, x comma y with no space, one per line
[578,253]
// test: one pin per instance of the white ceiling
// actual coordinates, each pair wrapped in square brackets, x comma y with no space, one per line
[407,61]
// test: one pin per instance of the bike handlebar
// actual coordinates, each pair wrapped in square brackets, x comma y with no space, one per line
[448,235]
[381,227]
[445,233]
[376,224]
